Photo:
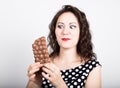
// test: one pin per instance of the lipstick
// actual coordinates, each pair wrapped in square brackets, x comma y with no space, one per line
[65,39]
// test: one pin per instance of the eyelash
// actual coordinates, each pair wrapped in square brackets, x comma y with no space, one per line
[72,26]
[62,26]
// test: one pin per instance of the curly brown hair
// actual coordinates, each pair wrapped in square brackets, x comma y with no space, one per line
[84,46]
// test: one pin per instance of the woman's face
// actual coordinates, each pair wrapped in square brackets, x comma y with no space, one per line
[67,30]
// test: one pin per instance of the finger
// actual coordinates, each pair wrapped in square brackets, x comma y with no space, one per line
[37,64]
[47,71]
[47,76]
[34,66]
[50,66]
[31,72]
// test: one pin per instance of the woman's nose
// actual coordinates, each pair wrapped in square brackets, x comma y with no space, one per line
[65,31]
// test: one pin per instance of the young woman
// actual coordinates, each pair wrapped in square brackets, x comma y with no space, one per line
[73,62]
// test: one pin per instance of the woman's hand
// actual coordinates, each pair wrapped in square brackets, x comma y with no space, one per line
[52,73]
[32,69]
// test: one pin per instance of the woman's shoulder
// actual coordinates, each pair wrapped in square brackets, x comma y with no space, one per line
[90,64]
[93,62]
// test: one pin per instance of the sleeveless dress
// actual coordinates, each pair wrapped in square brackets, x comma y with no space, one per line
[75,77]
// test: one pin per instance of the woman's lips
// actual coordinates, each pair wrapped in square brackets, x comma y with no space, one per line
[65,39]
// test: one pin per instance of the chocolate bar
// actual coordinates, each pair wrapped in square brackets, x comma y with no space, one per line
[40,50]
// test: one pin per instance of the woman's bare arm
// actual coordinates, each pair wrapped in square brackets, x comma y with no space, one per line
[94,78]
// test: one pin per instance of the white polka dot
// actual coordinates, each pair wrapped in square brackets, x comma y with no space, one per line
[78,86]
[86,65]
[69,76]
[80,71]
[73,73]
[68,84]
[70,70]
[76,70]
[83,69]
[43,78]
[75,83]
[44,82]
[79,80]
[82,77]
[66,78]
[50,84]
[77,75]
[66,73]
[81,84]
[63,70]
[87,70]
[48,81]
[89,62]
[90,66]
[93,62]
[97,65]
[71,86]
[80,67]
[73,77]
[63,76]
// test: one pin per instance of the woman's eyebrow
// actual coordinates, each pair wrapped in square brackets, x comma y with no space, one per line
[72,23]
[60,23]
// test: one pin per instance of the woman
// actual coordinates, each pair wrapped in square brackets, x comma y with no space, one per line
[73,62]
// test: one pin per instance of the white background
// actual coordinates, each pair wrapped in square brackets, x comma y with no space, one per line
[22,21]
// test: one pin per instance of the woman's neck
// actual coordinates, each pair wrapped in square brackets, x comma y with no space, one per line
[68,55]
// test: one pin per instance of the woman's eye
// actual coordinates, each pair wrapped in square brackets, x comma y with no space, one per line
[60,26]
[72,26]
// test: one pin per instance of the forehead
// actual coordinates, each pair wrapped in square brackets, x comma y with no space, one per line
[67,17]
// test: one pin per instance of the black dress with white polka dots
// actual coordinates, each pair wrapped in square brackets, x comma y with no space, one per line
[75,77]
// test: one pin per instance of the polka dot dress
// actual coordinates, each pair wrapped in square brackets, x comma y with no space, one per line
[75,77]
